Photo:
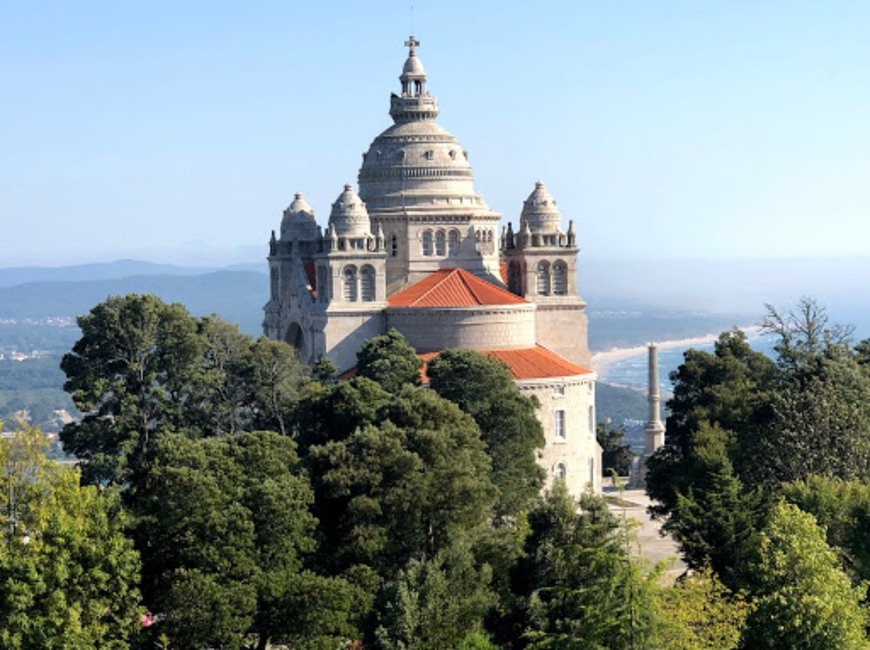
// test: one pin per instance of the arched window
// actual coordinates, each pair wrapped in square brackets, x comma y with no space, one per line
[591,419]
[543,275]
[560,472]
[394,245]
[367,284]
[560,278]
[440,243]
[427,243]
[453,242]
[350,284]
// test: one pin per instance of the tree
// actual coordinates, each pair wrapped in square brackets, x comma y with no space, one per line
[842,509]
[699,613]
[716,521]
[483,387]
[616,455]
[130,374]
[224,526]
[278,381]
[437,602]
[390,361]
[802,598]
[67,573]
[396,483]
[581,588]
[729,389]
[143,368]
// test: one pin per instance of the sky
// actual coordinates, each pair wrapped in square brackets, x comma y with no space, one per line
[179,131]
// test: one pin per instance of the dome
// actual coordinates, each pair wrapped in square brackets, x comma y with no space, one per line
[540,213]
[298,222]
[349,217]
[419,164]
[413,66]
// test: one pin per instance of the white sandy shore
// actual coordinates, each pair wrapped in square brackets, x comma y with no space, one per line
[601,360]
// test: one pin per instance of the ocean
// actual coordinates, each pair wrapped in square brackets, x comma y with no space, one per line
[632,371]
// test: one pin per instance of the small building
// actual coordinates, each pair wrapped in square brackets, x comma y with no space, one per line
[417,248]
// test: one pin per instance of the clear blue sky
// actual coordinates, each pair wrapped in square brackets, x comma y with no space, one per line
[179,131]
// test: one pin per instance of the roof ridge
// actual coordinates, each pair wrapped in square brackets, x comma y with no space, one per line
[462,276]
[434,286]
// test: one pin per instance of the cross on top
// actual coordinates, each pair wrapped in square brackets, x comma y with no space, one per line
[412,43]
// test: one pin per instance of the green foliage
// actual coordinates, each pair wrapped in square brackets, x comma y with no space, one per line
[390,361]
[716,521]
[67,572]
[143,368]
[727,388]
[577,584]
[412,470]
[699,613]
[435,603]
[130,373]
[802,598]
[616,456]
[224,525]
[842,509]
[483,387]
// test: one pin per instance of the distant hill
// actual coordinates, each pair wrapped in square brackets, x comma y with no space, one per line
[98,271]
[236,296]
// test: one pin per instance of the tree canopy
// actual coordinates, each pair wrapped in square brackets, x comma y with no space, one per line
[68,573]
[484,388]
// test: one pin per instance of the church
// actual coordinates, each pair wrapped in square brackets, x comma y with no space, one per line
[416,248]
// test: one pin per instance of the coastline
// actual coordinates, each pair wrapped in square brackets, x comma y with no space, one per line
[601,360]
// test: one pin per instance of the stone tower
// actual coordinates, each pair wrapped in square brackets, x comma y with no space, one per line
[542,268]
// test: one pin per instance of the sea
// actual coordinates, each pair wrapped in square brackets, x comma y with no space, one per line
[631,372]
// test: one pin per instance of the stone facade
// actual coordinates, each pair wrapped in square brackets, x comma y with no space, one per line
[415,220]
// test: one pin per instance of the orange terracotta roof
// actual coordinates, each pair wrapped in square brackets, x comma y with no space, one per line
[453,288]
[503,271]
[526,363]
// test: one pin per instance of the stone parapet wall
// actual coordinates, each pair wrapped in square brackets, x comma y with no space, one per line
[474,328]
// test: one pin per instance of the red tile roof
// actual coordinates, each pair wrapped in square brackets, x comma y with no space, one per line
[453,288]
[526,363]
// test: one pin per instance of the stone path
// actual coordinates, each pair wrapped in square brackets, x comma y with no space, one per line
[652,546]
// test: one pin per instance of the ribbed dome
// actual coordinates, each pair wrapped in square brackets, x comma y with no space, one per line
[298,222]
[540,213]
[349,217]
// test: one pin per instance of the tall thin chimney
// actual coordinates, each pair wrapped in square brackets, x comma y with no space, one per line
[654,429]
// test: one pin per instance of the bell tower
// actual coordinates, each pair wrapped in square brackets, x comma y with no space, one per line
[542,268]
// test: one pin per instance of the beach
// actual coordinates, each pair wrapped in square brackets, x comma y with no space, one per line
[602,360]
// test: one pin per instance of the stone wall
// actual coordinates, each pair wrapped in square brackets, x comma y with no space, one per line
[474,328]
[576,452]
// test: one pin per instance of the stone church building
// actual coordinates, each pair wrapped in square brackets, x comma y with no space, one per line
[417,248]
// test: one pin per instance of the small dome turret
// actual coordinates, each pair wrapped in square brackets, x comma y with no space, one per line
[540,212]
[414,103]
[298,222]
[349,217]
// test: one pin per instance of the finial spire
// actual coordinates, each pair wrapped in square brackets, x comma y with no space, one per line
[412,43]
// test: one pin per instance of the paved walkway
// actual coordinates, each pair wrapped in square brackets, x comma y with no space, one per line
[651,545]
